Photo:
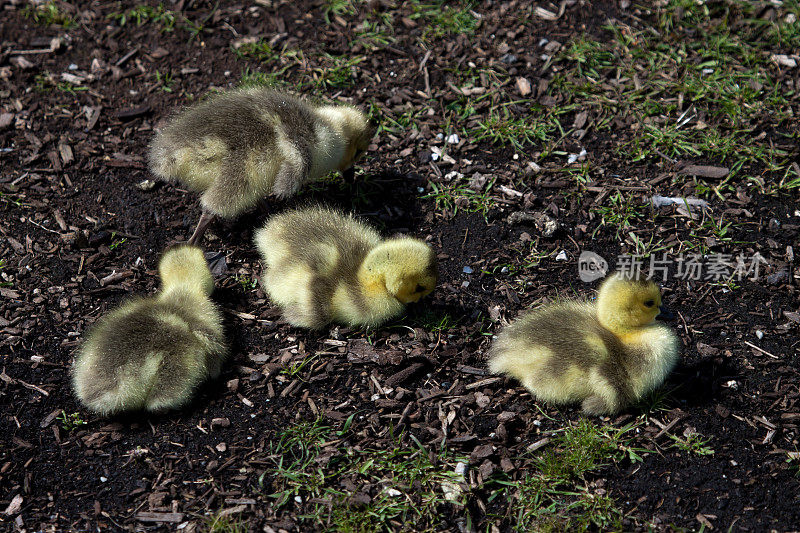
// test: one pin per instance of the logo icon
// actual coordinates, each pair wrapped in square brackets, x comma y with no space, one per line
[591,266]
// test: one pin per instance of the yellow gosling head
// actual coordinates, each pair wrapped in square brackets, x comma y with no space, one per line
[405,267]
[185,266]
[357,129]
[624,303]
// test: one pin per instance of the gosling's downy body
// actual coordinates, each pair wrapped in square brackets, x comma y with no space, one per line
[605,354]
[241,146]
[323,266]
[151,353]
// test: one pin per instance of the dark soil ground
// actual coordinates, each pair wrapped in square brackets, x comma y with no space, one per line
[80,232]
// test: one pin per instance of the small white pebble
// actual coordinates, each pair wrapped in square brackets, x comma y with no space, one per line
[562,256]
[537,423]
[734,463]
[392,492]
[453,139]
[515,157]
[468,270]
[103,479]
[298,499]
[439,136]
[72,66]
[759,334]
[420,189]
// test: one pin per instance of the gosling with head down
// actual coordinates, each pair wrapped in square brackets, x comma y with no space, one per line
[605,354]
[323,266]
[152,353]
[238,147]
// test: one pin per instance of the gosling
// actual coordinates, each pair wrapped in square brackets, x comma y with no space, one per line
[323,266]
[605,354]
[152,353]
[241,146]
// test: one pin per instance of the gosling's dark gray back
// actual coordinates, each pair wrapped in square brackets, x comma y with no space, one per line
[239,119]
[170,329]
[555,329]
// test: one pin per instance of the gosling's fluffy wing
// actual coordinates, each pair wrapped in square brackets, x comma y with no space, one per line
[308,254]
[562,354]
[149,354]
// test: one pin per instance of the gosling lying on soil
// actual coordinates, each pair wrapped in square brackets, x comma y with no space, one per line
[151,353]
[241,146]
[323,266]
[605,354]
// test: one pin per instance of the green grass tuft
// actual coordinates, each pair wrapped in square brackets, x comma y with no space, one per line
[312,468]
[47,14]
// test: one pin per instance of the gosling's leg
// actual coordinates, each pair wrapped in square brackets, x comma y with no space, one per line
[200,230]
[349,175]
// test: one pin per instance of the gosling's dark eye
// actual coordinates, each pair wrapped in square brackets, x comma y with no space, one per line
[420,288]
[650,303]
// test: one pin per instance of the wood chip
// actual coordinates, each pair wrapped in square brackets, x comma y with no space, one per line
[15,506]
[131,113]
[538,444]
[401,376]
[6,119]
[704,171]
[484,382]
[174,518]
[545,14]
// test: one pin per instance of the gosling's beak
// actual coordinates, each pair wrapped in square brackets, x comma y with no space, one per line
[665,313]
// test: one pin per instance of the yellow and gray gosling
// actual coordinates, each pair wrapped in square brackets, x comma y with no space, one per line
[605,354]
[151,353]
[241,146]
[323,266]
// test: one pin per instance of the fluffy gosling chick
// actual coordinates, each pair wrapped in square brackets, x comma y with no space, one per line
[151,353]
[605,354]
[241,146]
[323,266]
